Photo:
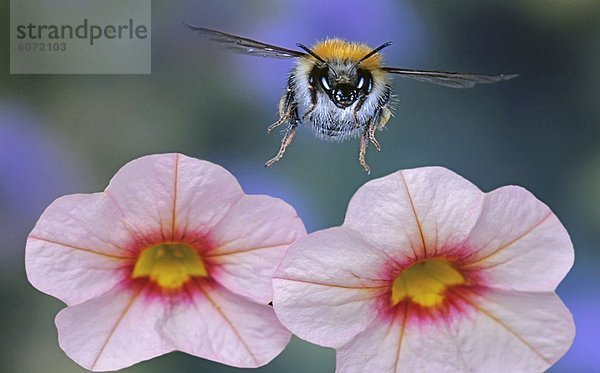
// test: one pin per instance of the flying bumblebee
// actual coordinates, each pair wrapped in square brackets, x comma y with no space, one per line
[339,88]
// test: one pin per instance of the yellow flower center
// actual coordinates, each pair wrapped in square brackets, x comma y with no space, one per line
[170,265]
[425,283]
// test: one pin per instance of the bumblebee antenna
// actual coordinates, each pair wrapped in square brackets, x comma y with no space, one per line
[309,51]
[371,53]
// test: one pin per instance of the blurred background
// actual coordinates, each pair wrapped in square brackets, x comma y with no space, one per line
[68,134]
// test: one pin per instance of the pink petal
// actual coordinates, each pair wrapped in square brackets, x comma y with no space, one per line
[401,345]
[224,327]
[205,192]
[533,329]
[171,194]
[251,239]
[78,243]
[520,244]
[324,290]
[112,331]
[507,332]
[421,212]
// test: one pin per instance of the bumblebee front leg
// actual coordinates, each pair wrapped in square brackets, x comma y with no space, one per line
[372,139]
[362,152]
[284,118]
[285,142]
[368,136]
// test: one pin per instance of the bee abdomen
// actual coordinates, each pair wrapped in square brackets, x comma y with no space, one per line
[333,127]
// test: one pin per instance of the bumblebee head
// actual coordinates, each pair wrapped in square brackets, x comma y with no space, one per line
[342,84]
[341,77]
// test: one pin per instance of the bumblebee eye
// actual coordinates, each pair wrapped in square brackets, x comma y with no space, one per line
[365,81]
[325,83]
[361,82]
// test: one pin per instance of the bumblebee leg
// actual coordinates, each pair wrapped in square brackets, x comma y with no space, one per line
[356,123]
[285,142]
[372,139]
[377,123]
[287,105]
[362,152]
[312,108]
[284,118]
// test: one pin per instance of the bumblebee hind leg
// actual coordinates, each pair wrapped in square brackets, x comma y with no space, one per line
[383,117]
[368,135]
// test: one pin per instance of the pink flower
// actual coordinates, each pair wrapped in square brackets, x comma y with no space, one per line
[429,274]
[171,256]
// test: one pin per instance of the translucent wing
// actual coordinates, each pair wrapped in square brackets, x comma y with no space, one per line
[245,45]
[449,79]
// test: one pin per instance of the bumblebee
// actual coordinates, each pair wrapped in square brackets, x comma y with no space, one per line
[340,89]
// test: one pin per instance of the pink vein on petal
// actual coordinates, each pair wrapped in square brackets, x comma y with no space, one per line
[412,205]
[91,251]
[358,277]
[235,331]
[401,339]
[117,323]
[501,324]
[83,223]
[242,251]
[332,285]
[489,266]
[516,239]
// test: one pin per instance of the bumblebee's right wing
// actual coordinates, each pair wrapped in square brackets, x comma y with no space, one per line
[245,45]
[449,79]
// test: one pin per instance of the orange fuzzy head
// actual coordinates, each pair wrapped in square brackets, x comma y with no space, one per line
[341,50]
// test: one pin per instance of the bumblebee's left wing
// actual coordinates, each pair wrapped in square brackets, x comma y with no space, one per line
[245,45]
[449,79]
